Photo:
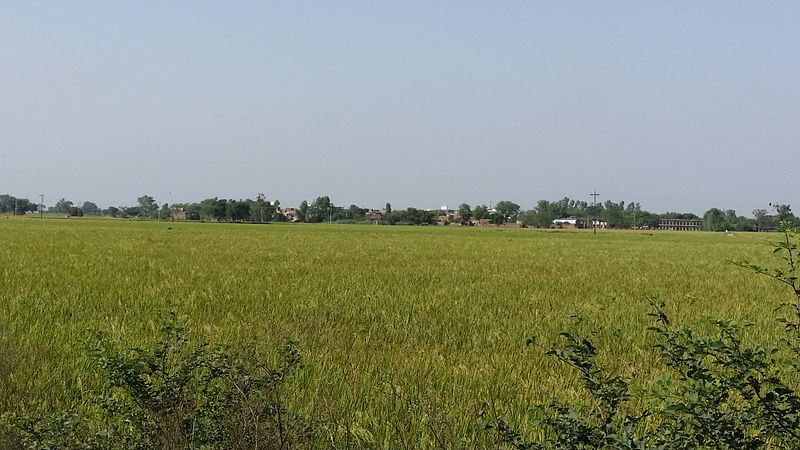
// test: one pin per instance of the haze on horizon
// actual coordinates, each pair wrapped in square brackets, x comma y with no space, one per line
[681,106]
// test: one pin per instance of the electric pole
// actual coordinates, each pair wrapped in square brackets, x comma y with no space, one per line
[41,204]
[594,195]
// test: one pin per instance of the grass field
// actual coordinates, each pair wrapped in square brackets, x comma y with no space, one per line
[405,332]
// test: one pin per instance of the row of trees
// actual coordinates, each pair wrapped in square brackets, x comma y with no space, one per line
[323,210]
[13,205]
[261,210]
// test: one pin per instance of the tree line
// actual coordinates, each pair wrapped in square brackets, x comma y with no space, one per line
[261,210]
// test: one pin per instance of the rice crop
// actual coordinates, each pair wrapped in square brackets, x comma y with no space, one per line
[406,332]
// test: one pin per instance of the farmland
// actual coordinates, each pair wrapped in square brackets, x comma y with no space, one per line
[405,332]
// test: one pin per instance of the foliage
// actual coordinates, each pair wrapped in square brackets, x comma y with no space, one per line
[63,206]
[90,208]
[177,394]
[464,213]
[11,204]
[147,206]
[410,216]
[508,210]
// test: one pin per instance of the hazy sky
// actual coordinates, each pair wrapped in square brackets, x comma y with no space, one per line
[678,105]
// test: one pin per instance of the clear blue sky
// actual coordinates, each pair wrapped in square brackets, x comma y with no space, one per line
[678,105]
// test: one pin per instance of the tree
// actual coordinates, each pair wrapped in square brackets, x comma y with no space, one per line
[714,220]
[508,210]
[214,209]
[112,211]
[302,211]
[129,211]
[764,221]
[355,213]
[546,213]
[320,210]
[614,214]
[62,206]
[464,212]
[74,211]
[237,211]
[388,208]
[90,208]
[19,206]
[164,213]
[147,206]
[481,212]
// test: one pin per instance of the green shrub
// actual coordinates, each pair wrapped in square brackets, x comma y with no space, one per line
[178,394]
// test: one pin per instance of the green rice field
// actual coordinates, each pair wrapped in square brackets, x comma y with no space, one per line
[406,332]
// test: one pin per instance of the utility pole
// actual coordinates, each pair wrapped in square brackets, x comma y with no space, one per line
[41,204]
[594,195]
[15,206]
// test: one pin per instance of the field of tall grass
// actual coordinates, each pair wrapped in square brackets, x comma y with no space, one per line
[406,333]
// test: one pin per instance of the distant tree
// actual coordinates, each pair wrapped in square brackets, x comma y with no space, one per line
[237,211]
[356,214]
[414,216]
[614,214]
[464,212]
[714,220]
[111,211]
[302,211]
[147,206]
[63,206]
[164,213]
[74,211]
[388,208]
[320,210]
[546,213]
[508,210]
[214,209]
[129,211]
[11,204]
[783,212]
[764,221]
[497,218]
[6,203]
[258,209]
[480,212]
[528,217]
[275,211]
[90,208]
[192,211]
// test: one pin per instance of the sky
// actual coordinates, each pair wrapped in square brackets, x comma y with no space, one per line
[678,105]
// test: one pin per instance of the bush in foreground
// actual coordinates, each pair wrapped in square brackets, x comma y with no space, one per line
[177,394]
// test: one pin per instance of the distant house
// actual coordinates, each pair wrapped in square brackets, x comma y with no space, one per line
[290,214]
[568,222]
[680,224]
[446,216]
[177,214]
[374,216]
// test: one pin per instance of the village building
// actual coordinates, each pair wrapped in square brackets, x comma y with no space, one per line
[446,216]
[290,214]
[177,214]
[680,224]
[374,216]
[568,222]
